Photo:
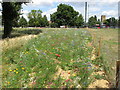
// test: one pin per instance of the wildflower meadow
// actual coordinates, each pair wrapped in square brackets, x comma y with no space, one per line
[56,58]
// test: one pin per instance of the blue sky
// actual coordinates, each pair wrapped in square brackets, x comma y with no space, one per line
[96,7]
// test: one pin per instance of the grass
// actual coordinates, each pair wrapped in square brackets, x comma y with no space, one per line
[58,58]
[109,50]
[35,64]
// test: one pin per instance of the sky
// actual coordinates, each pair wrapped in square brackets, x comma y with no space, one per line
[95,7]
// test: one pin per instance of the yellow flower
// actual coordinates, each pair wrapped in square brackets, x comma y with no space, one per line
[16,72]
[73,74]
[23,68]
[26,52]
[16,68]
[10,70]
[8,82]
[45,51]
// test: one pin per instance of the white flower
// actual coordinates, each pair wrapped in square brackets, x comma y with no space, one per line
[78,86]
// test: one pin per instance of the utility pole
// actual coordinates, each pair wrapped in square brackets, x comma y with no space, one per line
[88,11]
[85,13]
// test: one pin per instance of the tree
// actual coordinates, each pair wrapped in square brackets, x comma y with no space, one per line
[23,22]
[92,21]
[11,10]
[95,18]
[111,22]
[98,22]
[107,22]
[45,21]
[79,21]
[65,15]
[15,22]
[53,20]
[35,18]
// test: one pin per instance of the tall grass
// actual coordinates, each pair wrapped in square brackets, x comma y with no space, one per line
[109,50]
[37,63]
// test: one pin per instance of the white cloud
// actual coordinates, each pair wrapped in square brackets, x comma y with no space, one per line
[25,11]
[50,2]
[110,13]
[25,16]
[110,1]
[41,2]
[47,13]
[93,9]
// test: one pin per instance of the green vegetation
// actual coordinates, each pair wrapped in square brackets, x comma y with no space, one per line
[37,63]
[109,50]
[10,11]
[111,22]
[55,59]
[22,22]
[92,21]
[80,21]
[66,15]
[36,19]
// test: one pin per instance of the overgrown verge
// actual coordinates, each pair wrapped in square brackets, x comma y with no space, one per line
[58,58]
[108,52]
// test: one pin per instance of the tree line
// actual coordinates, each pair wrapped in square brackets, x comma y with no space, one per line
[35,19]
[64,16]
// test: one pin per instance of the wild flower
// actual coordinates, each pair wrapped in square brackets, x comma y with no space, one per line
[68,72]
[37,50]
[68,80]
[10,70]
[57,55]
[23,68]
[44,53]
[73,74]
[51,53]
[16,72]
[50,83]
[16,68]
[8,82]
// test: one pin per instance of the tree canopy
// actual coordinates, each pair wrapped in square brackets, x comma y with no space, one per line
[36,19]
[92,21]
[79,21]
[23,22]
[111,22]
[10,11]
[65,15]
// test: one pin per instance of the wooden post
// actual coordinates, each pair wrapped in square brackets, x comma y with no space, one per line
[118,74]
[99,47]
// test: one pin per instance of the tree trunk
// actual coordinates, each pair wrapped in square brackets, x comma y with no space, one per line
[7,29]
